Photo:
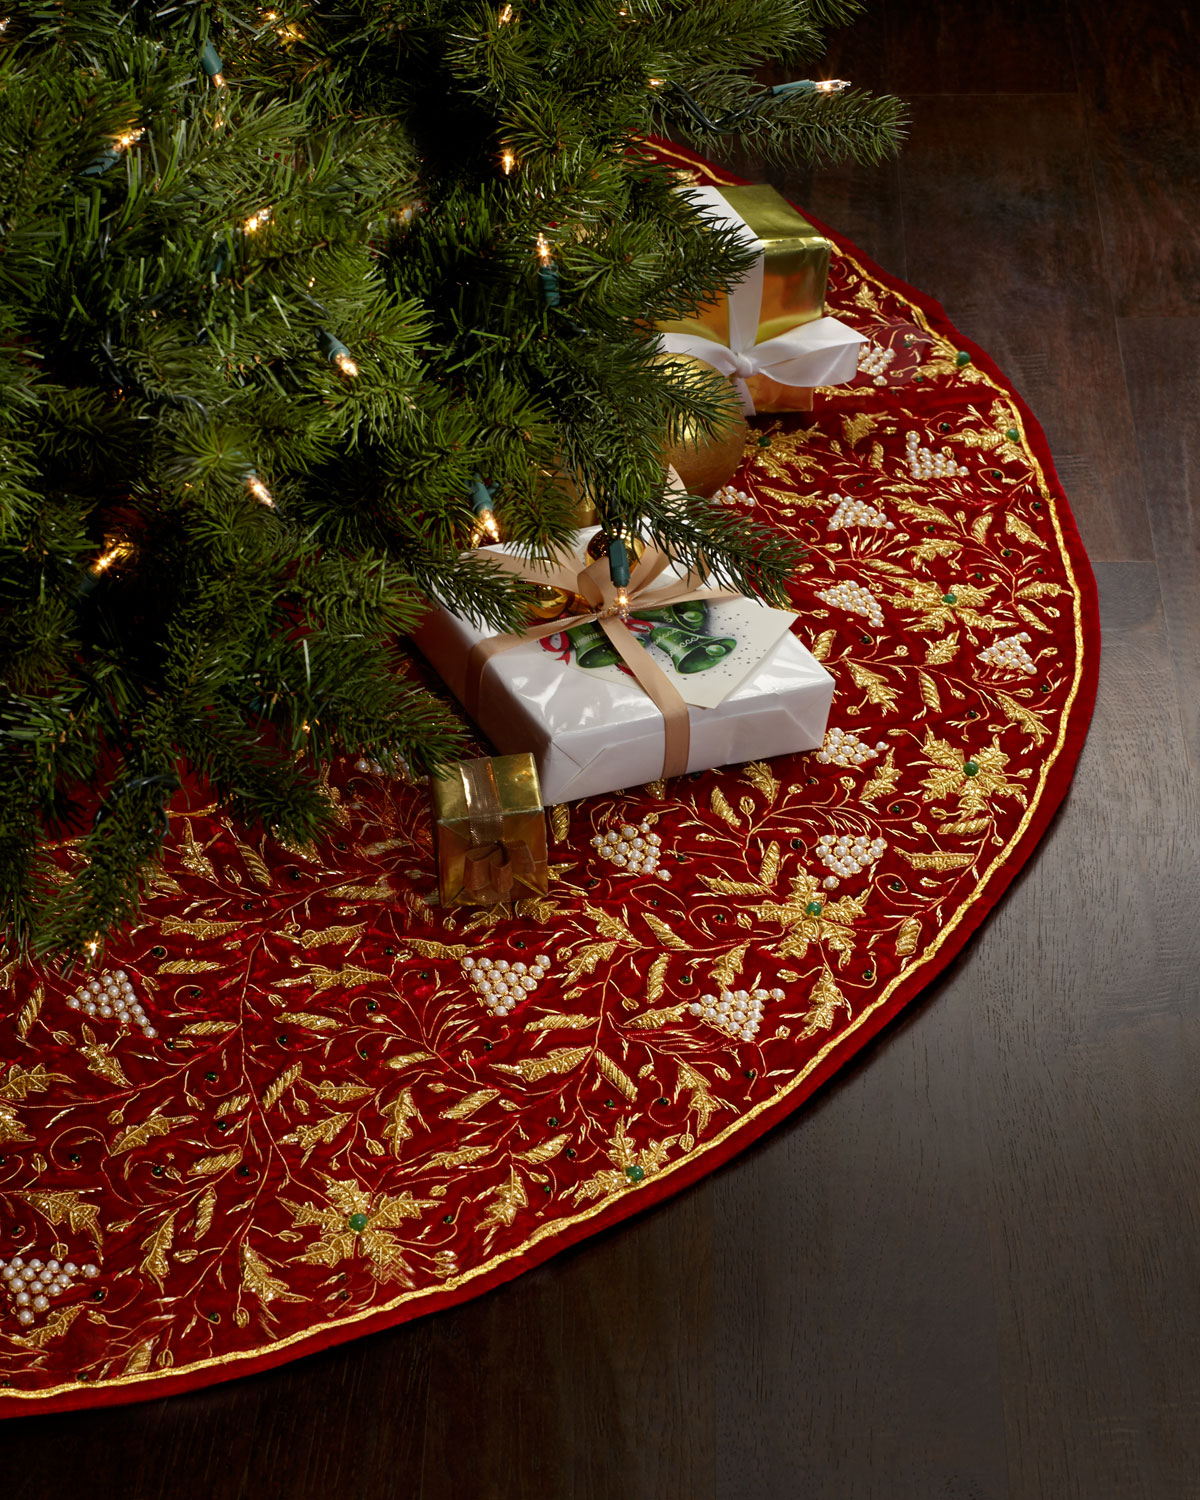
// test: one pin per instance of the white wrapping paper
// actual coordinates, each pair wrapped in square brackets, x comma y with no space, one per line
[591,736]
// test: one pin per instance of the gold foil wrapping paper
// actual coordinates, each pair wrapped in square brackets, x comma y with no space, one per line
[489,830]
[795,273]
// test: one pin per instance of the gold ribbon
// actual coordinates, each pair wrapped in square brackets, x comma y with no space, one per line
[595,584]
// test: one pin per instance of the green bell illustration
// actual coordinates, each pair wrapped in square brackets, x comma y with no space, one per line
[691,614]
[692,653]
[592,647]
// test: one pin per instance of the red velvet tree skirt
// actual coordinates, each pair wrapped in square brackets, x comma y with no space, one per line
[319,1130]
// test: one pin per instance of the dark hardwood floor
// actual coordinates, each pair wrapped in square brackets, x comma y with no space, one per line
[970,1269]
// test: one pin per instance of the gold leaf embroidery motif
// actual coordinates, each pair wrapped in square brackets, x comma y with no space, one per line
[875,687]
[208,1165]
[30,1010]
[616,1076]
[908,937]
[657,977]
[545,1150]
[469,1105]
[824,1003]
[561,1060]
[157,1246]
[720,805]
[560,1019]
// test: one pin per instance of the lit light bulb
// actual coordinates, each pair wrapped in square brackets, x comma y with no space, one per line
[508,161]
[623,603]
[505,15]
[114,552]
[218,80]
[123,142]
[655,83]
[543,249]
[345,364]
[92,946]
[256,221]
[488,522]
[259,490]
[832,85]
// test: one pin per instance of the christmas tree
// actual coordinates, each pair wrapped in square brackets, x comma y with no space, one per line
[299,304]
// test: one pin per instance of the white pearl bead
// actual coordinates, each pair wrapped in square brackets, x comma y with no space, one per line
[41,1303]
[70,1268]
[542,961]
[22,1299]
[468,963]
[694,1009]
[25,1317]
[501,966]
[91,1270]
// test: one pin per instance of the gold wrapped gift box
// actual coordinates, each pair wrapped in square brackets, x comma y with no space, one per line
[795,274]
[489,830]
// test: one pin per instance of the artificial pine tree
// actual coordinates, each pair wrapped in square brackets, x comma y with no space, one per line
[295,300]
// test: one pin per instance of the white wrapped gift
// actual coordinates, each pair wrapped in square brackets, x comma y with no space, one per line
[591,735]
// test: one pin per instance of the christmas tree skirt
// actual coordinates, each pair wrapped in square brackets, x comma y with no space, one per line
[315,1127]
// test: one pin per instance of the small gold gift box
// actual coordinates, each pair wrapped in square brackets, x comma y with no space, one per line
[489,831]
[795,274]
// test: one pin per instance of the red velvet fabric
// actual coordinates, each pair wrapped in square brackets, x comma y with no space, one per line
[329,1132]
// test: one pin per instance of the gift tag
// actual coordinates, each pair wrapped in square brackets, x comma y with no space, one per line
[706,648]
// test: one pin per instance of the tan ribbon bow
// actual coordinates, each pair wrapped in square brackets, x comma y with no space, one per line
[594,584]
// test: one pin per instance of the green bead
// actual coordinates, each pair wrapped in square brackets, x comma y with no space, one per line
[962,358]
[970,769]
[357,1222]
[814,908]
[635,1173]
[1013,435]
[949,598]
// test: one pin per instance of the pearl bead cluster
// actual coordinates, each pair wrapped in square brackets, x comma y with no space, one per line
[500,985]
[852,512]
[1010,655]
[856,599]
[873,360]
[112,997]
[844,749]
[635,851]
[32,1284]
[845,856]
[728,495]
[738,1013]
[368,767]
[924,463]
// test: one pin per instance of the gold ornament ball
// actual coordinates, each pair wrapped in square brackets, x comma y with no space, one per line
[703,463]
[597,547]
[547,602]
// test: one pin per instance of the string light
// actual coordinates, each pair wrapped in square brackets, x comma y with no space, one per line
[618,571]
[481,504]
[256,221]
[810,86]
[508,161]
[210,61]
[547,274]
[506,15]
[655,83]
[92,946]
[114,552]
[259,490]
[130,138]
[337,353]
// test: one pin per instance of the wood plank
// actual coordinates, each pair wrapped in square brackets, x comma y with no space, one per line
[589,1378]
[1162,360]
[963,47]
[1137,70]
[1001,226]
[1087,1049]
